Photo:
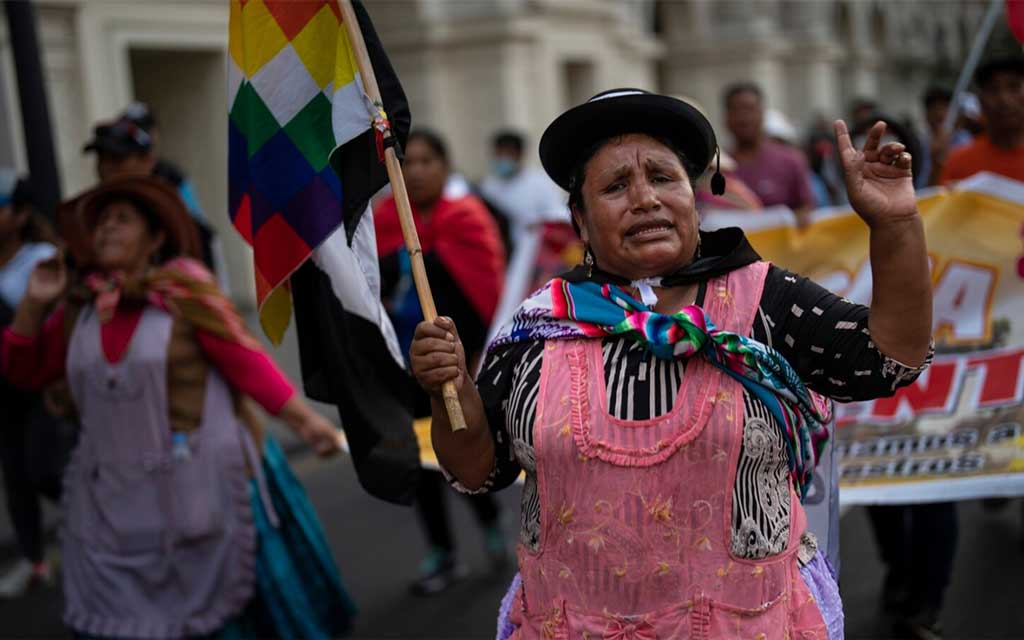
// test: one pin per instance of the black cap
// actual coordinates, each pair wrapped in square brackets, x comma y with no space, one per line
[121,137]
[140,114]
[1012,64]
[618,112]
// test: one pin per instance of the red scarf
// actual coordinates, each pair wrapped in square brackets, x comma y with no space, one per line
[462,234]
[182,287]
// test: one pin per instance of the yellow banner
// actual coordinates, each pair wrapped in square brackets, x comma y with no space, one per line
[956,432]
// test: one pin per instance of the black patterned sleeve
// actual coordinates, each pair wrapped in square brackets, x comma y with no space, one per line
[495,386]
[826,339]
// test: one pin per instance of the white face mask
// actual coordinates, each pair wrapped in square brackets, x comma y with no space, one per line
[504,167]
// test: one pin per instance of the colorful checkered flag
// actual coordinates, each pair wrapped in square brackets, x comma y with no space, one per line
[304,160]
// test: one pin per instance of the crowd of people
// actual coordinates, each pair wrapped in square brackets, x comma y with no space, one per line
[127,376]
[771,159]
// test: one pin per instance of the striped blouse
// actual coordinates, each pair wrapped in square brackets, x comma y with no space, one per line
[823,336]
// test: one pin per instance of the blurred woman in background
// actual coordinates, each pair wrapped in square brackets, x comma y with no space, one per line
[181,518]
[465,263]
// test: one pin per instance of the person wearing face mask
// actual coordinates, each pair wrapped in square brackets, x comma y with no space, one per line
[1000,148]
[525,194]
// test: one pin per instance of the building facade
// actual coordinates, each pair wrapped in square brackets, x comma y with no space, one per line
[470,67]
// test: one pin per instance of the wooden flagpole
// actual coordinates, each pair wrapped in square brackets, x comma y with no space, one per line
[995,9]
[412,240]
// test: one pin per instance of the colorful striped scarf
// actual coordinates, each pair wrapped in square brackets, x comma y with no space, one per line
[565,310]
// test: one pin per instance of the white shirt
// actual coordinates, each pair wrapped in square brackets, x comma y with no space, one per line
[528,198]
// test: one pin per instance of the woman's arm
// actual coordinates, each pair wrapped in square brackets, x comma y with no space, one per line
[901,295]
[250,371]
[255,374]
[880,188]
[34,345]
[437,356]
[826,339]
[34,361]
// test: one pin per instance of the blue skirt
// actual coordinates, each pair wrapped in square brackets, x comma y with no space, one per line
[298,591]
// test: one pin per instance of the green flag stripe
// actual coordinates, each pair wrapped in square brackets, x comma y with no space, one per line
[253,118]
[312,133]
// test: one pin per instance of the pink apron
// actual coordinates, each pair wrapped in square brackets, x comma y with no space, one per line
[635,515]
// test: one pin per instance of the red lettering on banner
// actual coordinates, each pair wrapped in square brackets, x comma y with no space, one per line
[1001,373]
[938,390]
[933,391]
[963,299]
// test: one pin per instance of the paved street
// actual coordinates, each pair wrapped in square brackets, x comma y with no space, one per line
[378,547]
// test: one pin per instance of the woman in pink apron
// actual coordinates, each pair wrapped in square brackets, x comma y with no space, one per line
[181,519]
[667,398]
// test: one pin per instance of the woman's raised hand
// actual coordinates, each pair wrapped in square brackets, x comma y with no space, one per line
[437,355]
[879,182]
[47,282]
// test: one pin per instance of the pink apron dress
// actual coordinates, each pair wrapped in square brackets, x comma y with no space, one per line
[155,545]
[635,515]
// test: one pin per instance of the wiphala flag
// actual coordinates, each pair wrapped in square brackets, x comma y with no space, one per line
[303,164]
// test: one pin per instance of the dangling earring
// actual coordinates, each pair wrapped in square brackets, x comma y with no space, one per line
[696,254]
[588,261]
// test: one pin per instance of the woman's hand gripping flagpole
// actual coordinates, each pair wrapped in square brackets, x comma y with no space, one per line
[394,168]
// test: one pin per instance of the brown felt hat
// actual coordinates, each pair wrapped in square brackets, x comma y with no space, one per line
[76,218]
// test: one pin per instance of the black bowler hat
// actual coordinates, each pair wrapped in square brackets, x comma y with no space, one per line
[622,111]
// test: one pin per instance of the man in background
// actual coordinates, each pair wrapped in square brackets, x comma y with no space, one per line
[1000,147]
[143,116]
[778,174]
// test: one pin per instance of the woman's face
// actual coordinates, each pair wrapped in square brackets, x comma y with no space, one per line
[123,241]
[640,220]
[425,174]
